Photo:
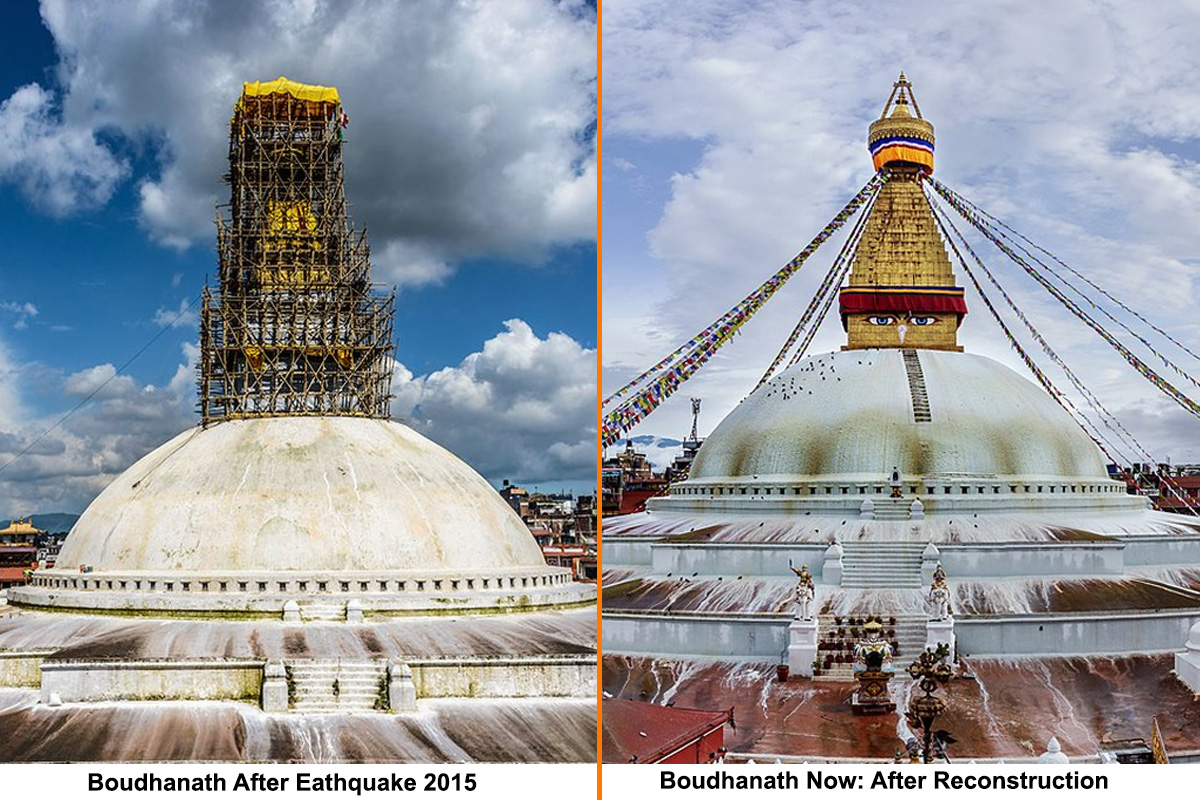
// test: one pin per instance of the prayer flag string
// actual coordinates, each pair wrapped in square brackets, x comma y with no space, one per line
[825,292]
[1140,366]
[1104,415]
[984,217]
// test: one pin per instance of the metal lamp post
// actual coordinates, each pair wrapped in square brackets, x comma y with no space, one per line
[930,670]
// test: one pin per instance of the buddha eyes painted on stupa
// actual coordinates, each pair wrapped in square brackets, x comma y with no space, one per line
[890,320]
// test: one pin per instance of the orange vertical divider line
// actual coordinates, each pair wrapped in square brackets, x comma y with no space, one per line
[599,404]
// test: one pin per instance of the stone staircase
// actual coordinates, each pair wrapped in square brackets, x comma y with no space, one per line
[323,612]
[892,508]
[916,387]
[881,565]
[908,637]
[340,686]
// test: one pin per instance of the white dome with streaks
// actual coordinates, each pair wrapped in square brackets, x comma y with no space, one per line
[854,415]
[299,493]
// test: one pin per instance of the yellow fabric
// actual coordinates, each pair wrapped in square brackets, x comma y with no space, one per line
[899,152]
[301,91]
[291,227]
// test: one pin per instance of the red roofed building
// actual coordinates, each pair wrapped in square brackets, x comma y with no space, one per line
[628,481]
[644,733]
[1182,498]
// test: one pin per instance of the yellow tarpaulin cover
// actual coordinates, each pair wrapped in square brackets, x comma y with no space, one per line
[301,91]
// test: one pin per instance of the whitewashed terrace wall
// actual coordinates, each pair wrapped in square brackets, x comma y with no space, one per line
[735,559]
[759,638]
[739,637]
[79,681]
[506,677]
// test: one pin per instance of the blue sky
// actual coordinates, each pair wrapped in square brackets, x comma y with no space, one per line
[734,131]
[470,160]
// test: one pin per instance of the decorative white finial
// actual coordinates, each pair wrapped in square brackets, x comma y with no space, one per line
[1054,753]
[867,509]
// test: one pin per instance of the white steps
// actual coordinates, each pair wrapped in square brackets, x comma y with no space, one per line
[881,565]
[327,687]
[916,387]
[323,612]
[892,508]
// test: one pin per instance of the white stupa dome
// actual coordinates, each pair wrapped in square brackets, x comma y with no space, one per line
[851,415]
[299,493]
[961,432]
[266,508]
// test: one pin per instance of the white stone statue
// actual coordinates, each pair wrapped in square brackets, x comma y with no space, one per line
[805,592]
[939,600]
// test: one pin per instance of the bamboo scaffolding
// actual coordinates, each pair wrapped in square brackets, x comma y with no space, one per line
[295,326]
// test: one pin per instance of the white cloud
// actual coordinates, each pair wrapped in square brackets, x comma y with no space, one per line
[10,390]
[92,379]
[406,264]
[59,166]
[22,312]
[185,316]
[468,132]
[522,408]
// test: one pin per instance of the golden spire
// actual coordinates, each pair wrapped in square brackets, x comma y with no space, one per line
[901,291]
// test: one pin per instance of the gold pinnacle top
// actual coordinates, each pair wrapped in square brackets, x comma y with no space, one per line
[900,138]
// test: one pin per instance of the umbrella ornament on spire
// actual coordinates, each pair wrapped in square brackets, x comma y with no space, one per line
[899,138]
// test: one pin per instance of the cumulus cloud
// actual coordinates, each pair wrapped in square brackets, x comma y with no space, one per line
[48,463]
[521,408]
[408,264]
[59,166]
[470,128]
[738,131]
[185,316]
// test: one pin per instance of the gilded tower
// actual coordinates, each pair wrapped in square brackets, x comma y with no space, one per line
[296,327]
[901,292]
